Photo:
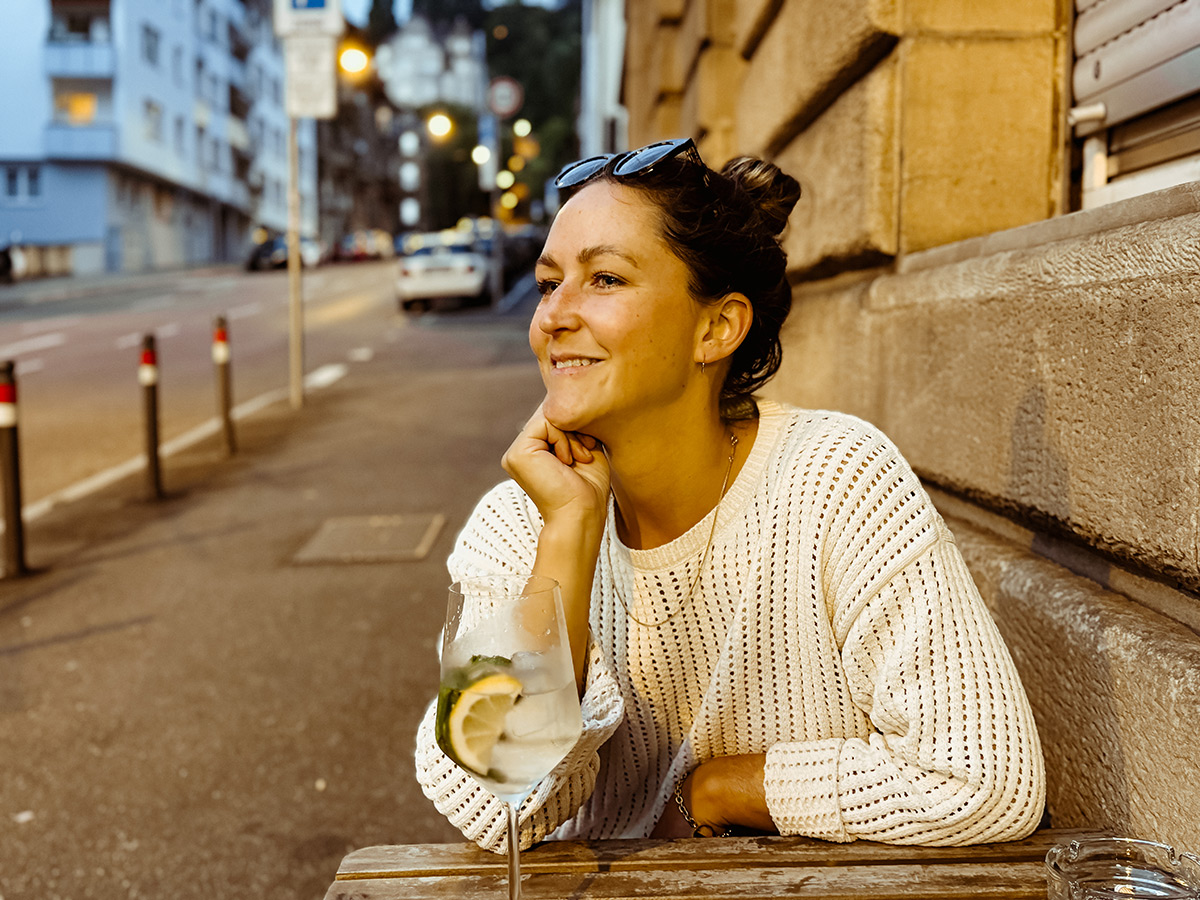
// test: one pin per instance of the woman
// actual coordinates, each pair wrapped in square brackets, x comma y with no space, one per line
[771,625]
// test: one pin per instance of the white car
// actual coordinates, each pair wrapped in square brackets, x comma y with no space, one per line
[441,271]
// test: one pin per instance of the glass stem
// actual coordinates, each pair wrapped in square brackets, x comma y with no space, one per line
[514,853]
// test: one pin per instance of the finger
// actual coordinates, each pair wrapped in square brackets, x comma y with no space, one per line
[560,444]
[579,450]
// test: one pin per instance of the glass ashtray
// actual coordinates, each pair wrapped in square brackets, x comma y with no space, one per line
[1117,868]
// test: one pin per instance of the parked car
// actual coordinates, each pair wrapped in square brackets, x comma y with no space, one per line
[437,271]
[273,254]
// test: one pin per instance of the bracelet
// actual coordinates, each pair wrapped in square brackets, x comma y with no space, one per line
[698,830]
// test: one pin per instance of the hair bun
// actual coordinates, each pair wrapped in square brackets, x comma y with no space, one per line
[772,191]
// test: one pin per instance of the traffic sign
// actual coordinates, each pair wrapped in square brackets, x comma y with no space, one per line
[308,17]
[505,96]
[310,75]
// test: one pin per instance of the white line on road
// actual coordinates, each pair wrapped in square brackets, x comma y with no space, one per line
[33,344]
[41,325]
[318,378]
[28,367]
[134,339]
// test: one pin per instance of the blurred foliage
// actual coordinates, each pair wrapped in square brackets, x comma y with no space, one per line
[381,21]
[448,10]
[542,50]
[453,178]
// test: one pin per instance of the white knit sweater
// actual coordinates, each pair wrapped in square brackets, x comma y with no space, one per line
[835,628]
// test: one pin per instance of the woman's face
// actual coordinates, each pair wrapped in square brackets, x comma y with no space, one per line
[616,330]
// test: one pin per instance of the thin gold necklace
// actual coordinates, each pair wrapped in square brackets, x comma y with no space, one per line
[733,442]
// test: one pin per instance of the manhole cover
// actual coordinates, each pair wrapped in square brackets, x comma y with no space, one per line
[368,539]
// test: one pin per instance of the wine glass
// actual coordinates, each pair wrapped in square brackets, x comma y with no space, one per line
[508,707]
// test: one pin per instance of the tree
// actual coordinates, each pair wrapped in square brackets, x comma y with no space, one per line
[446,11]
[381,21]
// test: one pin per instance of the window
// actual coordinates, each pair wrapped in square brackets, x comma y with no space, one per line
[152,120]
[150,38]
[180,136]
[199,77]
[177,66]
[75,107]
[18,190]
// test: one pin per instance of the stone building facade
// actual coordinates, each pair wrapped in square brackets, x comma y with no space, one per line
[1040,368]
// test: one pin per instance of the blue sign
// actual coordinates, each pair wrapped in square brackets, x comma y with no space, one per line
[308,4]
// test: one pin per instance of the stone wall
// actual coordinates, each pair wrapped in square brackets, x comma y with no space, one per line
[1040,370]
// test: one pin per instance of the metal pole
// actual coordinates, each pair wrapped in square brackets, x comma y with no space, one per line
[10,475]
[295,304]
[148,378]
[220,354]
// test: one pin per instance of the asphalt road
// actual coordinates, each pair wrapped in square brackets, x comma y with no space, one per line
[186,711]
[81,408]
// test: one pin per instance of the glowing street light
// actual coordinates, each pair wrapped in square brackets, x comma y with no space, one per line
[522,127]
[505,180]
[353,60]
[440,125]
[480,155]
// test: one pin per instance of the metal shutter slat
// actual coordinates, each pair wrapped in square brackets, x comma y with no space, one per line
[1109,18]
[1149,45]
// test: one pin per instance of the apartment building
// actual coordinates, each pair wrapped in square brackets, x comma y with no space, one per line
[143,134]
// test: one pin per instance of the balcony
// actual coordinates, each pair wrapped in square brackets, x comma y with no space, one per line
[239,93]
[79,59]
[81,142]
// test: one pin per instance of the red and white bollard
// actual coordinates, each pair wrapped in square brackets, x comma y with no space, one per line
[148,379]
[10,474]
[220,355]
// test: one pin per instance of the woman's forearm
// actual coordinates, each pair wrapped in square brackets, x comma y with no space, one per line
[729,790]
[567,552]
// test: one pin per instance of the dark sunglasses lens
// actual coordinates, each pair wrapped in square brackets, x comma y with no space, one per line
[648,157]
[579,172]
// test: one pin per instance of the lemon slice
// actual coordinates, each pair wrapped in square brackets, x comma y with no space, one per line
[471,721]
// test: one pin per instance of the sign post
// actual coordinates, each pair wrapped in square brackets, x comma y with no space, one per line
[309,29]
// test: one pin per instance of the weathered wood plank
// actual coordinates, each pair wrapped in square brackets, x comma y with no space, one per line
[897,881]
[421,860]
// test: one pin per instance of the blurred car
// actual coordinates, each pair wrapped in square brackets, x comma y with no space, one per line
[272,253]
[437,271]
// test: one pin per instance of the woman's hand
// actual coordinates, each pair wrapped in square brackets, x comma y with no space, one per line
[565,474]
[720,792]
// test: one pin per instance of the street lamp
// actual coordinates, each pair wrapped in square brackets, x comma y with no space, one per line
[353,60]
[440,125]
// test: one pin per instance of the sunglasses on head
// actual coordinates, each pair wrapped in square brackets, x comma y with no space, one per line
[630,164]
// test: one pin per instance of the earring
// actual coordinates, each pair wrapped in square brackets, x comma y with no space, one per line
[702,365]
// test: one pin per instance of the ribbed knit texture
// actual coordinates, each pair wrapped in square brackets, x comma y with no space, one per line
[835,628]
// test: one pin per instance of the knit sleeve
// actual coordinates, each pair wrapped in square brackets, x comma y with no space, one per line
[501,536]
[953,756]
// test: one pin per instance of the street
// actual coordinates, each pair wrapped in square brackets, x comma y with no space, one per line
[189,709]
[77,359]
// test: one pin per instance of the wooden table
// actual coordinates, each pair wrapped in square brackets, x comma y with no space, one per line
[759,867]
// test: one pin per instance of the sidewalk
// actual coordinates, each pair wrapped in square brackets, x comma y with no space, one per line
[188,709]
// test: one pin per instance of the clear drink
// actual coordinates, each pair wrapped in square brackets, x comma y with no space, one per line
[508,707]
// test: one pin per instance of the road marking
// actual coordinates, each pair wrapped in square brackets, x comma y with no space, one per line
[316,379]
[33,344]
[361,354]
[28,367]
[41,325]
[134,339]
